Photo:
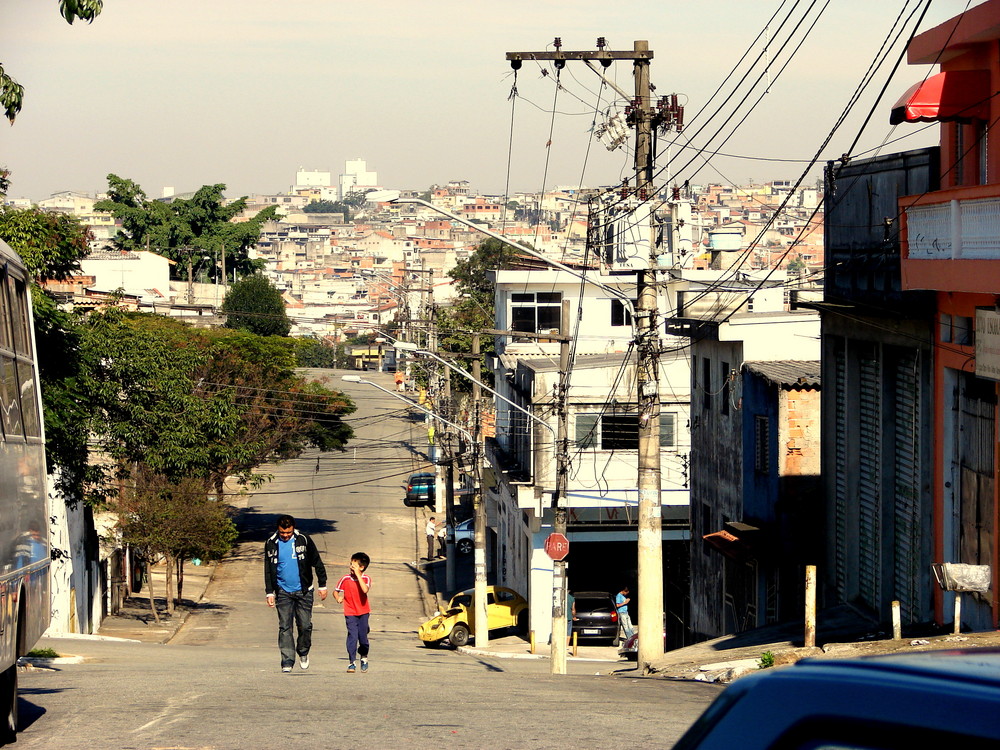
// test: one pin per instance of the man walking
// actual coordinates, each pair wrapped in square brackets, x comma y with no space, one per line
[289,560]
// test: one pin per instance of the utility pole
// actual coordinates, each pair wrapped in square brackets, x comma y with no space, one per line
[479,524]
[650,535]
[560,640]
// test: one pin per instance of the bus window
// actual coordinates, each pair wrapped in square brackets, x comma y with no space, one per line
[5,341]
[10,403]
[19,316]
[29,400]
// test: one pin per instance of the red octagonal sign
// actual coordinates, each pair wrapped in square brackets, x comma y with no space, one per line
[557,546]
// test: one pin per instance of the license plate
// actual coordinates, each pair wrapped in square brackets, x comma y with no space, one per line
[590,631]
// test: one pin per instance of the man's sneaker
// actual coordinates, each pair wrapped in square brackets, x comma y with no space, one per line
[304,661]
[286,669]
[364,665]
[351,669]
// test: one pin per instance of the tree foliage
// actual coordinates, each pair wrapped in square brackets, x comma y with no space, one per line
[193,232]
[50,244]
[254,304]
[315,353]
[11,92]
[473,308]
[177,519]
[328,207]
[189,402]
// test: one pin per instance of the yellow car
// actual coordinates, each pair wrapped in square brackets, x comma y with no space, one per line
[505,608]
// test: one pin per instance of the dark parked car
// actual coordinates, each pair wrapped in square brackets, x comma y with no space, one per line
[939,699]
[419,490]
[596,617]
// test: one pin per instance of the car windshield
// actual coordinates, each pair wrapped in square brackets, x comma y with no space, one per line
[462,600]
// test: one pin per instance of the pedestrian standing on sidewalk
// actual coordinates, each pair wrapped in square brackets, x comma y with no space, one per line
[289,560]
[352,591]
[624,621]
[431,531]
[400,379]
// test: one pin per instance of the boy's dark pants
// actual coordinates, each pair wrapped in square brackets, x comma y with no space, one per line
[357,635]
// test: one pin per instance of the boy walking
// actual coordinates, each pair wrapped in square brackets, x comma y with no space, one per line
[352,591]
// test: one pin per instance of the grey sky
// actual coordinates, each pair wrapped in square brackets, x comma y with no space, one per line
[191,92]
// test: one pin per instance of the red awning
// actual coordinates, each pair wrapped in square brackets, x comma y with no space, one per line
[952,95]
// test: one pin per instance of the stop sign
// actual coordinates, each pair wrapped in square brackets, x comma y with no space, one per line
[557,546]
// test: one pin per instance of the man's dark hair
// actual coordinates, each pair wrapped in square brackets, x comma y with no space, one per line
[286,522]
[362,558]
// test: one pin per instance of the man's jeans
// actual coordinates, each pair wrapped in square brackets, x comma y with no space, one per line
[297,606]
[625,621]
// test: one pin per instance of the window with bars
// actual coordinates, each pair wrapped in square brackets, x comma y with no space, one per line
[762,444]
[621,431]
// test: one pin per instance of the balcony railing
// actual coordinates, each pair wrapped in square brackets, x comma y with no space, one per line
[954,230]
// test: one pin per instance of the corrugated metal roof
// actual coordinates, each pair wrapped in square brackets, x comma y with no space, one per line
[788,373]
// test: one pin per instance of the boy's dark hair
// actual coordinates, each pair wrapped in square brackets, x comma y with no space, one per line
[286,522]
[362,558]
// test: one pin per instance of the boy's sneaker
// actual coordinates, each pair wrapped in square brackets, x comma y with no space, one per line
[351,669]
[364,665]
[286,669]
[304,661]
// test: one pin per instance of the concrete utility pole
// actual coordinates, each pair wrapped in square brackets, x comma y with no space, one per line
[650,534]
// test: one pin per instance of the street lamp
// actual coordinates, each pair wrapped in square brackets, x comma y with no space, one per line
[406,346]
[414,404]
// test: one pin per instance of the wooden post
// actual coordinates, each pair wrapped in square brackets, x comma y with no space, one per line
[810,638]
[958,613]
[897,625]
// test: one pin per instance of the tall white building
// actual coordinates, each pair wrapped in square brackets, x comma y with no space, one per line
[356,177]
[313,178]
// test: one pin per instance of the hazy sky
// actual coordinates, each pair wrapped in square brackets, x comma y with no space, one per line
[186,93]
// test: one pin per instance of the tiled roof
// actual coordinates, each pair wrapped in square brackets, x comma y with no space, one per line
[797,374]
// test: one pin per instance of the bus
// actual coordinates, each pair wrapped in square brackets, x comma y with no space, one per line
[24,538]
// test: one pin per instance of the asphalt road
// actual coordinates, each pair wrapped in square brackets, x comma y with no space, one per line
[217,684]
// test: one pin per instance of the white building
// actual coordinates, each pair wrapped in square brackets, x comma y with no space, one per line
[356,177]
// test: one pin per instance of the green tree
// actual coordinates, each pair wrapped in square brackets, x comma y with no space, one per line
[11,92]
[315,353]
[328,207]
[193,232]
[190,402]
[356,198]
[473,308]
[173,518]
[254,304]
[50,244]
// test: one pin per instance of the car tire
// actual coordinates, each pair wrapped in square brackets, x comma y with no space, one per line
[464,546]
[459,635]
[8,690]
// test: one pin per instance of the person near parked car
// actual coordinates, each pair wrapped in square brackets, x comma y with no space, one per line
[431,531]
[289,560]
[442,538]
[352,591]
[570,616]
[624,621]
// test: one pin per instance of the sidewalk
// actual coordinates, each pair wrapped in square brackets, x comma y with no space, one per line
[135,620]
